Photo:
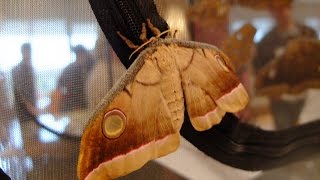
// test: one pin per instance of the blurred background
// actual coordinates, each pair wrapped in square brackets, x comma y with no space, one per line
[55,66]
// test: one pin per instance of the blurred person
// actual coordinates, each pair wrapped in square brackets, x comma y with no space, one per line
[23,85]
[106,71]
[69,94]
[285,29]
[284,112]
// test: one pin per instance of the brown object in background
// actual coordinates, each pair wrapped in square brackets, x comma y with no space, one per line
[240,46]
[210,21]
[262,4]
[297,69]
[209,12]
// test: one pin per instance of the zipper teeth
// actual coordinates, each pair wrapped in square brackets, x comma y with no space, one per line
[129,16]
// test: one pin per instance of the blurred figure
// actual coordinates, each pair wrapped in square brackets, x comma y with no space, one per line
[105,72]
[211,20]
[70,92]
[284,112]
[23,85]
[286,29]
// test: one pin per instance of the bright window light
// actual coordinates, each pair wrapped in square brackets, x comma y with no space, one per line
[10,54]
[49,41]
[50,52]
[85,34]
[314,23]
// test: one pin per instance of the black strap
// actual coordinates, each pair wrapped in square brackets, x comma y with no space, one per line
[125,16]
[3,175]
[230,142]
[247,147]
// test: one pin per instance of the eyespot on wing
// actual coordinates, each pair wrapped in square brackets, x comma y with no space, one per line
[114,124]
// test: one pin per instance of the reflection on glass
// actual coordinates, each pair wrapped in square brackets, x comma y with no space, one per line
[51,43]
[15,135]
[13,158]
[53,28]
[57,124]
[47,137]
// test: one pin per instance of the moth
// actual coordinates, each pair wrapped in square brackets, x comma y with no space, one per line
[294,71]
[240,46]
[141,116]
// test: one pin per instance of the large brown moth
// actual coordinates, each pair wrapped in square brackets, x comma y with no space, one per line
[292,72]
[140,118]
[240,46]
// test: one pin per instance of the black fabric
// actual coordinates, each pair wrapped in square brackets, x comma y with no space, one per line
[3,175]
[125,16]
[230,142]
[246,147]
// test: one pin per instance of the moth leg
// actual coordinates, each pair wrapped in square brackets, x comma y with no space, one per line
[174,33]
[154,30]
[127,41]
[143,35]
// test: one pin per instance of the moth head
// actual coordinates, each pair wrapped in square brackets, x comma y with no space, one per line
[113,124]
